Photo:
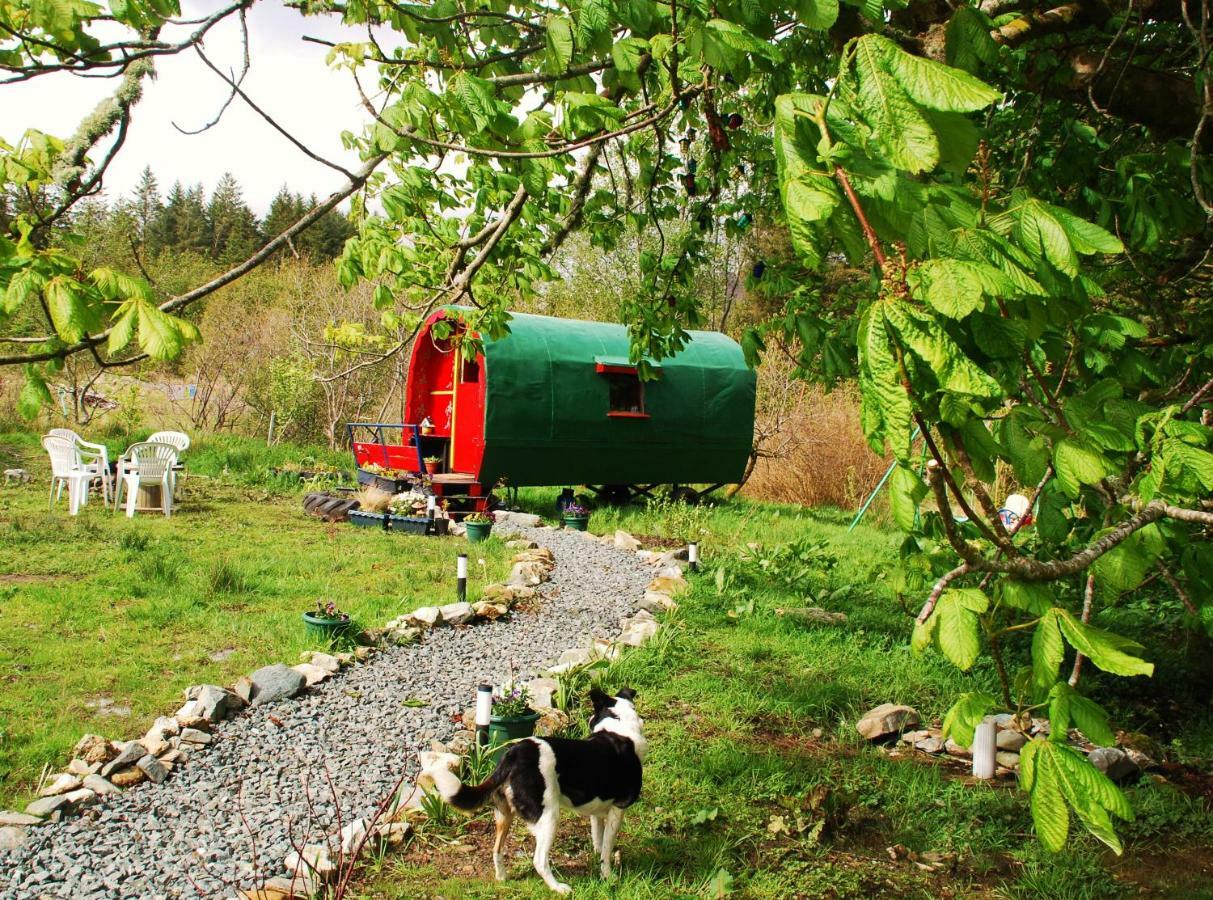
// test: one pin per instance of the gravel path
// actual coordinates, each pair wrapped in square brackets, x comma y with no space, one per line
[162,840]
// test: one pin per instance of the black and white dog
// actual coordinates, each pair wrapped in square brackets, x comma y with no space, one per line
[535,777]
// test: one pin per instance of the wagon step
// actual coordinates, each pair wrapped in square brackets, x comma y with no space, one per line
[453,478]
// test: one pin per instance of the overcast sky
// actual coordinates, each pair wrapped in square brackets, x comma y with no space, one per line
[288,78]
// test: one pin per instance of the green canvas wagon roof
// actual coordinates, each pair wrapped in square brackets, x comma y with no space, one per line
[547,405]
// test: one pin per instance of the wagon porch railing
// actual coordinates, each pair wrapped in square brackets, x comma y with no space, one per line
[391,445]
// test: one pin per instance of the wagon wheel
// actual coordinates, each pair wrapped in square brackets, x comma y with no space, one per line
[615,494]
[680,493]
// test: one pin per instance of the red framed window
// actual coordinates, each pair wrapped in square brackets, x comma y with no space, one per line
[625,391]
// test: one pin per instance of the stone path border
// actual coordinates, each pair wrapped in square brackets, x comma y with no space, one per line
[285,774]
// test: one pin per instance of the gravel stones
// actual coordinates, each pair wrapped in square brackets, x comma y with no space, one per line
[271,683]
[885,720]
[156,839]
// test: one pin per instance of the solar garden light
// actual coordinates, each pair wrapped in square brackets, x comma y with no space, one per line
[484,711]
[983,750]
[693,555]
[431,505]
[461,576]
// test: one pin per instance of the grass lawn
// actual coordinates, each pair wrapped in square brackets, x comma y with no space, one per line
[102,608]
[757,784]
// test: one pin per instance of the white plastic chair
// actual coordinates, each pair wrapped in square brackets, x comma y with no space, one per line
[177,439]
[66,468]
[147,462]
[94,458]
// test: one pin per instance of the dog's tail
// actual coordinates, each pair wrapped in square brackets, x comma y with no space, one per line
[461,796]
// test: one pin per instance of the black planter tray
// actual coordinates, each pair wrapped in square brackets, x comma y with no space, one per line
[409,524]
[391,485]
[361,519]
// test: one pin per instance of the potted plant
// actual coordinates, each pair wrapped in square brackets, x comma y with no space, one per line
[512,716]
[433,464]
[478,525]
[326,622]
[408,513]
[576,517]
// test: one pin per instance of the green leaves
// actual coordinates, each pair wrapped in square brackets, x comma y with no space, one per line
[1069,708]
[906,491]
[474,97]
[1126,565]
[559,44]
[1076,464]
[820,14]
[727,46]
[1057,779]
[953,626]
[34,394]
[1106,650]
[891,90]
[965,715]
[957,287]
[1056,235]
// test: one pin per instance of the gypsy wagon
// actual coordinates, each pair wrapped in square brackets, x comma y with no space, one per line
[557,402]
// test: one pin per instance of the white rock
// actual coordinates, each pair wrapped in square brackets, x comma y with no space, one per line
[44,806]
[313,674]
[1011,741]
[352,835]
[930,745]
[79,768]
[638,632]
[315,859]
[521,519]
[657,603]
[326,661]
[457,613]
[674,572]
[60,785]
[886,719]
[100,786]
[576,656]
[424,617]
[9,817]
[1006,759]
[627,543]
[80,797]
[152,768]
[11,837]
[542,690]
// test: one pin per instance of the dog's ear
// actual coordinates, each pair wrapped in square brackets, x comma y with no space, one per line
[600,699]
[626,694]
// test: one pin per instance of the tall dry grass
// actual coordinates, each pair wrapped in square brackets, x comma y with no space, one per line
[811,449]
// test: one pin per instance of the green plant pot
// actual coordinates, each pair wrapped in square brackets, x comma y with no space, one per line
[577,523]
[503,729]
[327,631]
[478,531]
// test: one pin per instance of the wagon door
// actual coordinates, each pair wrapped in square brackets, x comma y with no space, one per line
[467,443]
